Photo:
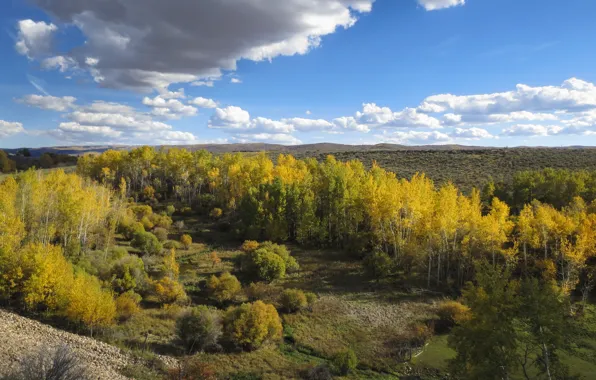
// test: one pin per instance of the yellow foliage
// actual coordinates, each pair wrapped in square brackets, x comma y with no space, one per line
[89,304]
[169,291]
[250,325]
[127,305]
[186,241]
[249,246]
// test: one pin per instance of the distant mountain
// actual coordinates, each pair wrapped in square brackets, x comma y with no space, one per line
[320,148]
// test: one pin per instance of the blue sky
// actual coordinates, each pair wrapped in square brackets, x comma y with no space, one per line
[474,72]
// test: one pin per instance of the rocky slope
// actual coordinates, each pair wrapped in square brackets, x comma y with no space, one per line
[20,336]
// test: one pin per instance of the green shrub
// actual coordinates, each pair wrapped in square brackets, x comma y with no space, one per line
[172,244]
[129,230]
[223,288]
[319,372]
[161,234]
[293,300]
[251,324]
[262,291]
[311,298]
[147,243]
[450,314]
[344,362]
[265,265]
[170,210]
[378,264]
[199,329]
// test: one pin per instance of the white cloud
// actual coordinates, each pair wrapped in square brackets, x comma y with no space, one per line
[9,128]
[47,102]
[168,106]
[202,83]
[235,80]
[471,134]
[267,125]
[146,44]
[308,112]
[272,138]
[203,102]
[309,125]
[573,95]
[59,62]
[230,117]
[137,121]
[34,38]
[432,5]
[531,130]
[451,119]
[415,137]
[383,117]
[350,123]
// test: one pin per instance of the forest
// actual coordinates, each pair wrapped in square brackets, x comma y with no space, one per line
[246,266]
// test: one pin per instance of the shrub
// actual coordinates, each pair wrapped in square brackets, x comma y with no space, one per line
[216,213]
[141,211]
[451,313]
[170,210]
[58,364]
[186,210]
[172,244]
[147,223]
[192,369]
[378,264]
[147,243]
[199,329]
[186,241]
[344,362]
[214,257]
[418,334]
[265,265]
[169,291]
[249,246]
[179,226]
[251,324]
[282,251]
[224,288]
[131,229]
[293,300]
[320,372]
[262,291]
[127,305]
[311,298]
[149,192]
[161,234]
[162,221]
[89,304]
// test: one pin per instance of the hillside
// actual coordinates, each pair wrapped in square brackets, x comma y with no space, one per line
[20,336]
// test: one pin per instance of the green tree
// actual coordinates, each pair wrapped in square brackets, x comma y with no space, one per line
[147,243]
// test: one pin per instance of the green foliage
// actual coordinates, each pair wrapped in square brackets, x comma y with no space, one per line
[161,234]
[147,243]
[378,264]
[6,164]
[265,265]
[251,324]
[293,300]
[199,329]
[345,362]
[223,288]
[172,244]
[170,210]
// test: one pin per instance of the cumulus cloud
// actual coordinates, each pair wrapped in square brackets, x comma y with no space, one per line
[532,130]
[275,138]
[415,137]
[235,81]
[433,5]
[383,117]
[230,117]
[573,95]
[47,102]
[169,107]
[146,44]
[203,102]
[451,119]
[471,134]
[9,128]
[34,39]
[59,62]
[309,125]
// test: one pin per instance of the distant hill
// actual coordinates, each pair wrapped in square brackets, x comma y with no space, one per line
[259,147]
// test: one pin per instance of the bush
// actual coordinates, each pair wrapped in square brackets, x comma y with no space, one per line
[141,211]
[216,213]
[186,241]
[147,243]
[249,246]
[282,251]
[147,223]
[179,226]
[161,234]
[320,372]
[378,264]
[127,305]
[311,298]
[344,362]
[46,364]
[451,313]
[172,244]
[162,221]
[170,210]
[169,291]
[192,369]
[265,265]
[251,324]
[129,230]
[262,291]
[293,300]
[224,288]
[199,329]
